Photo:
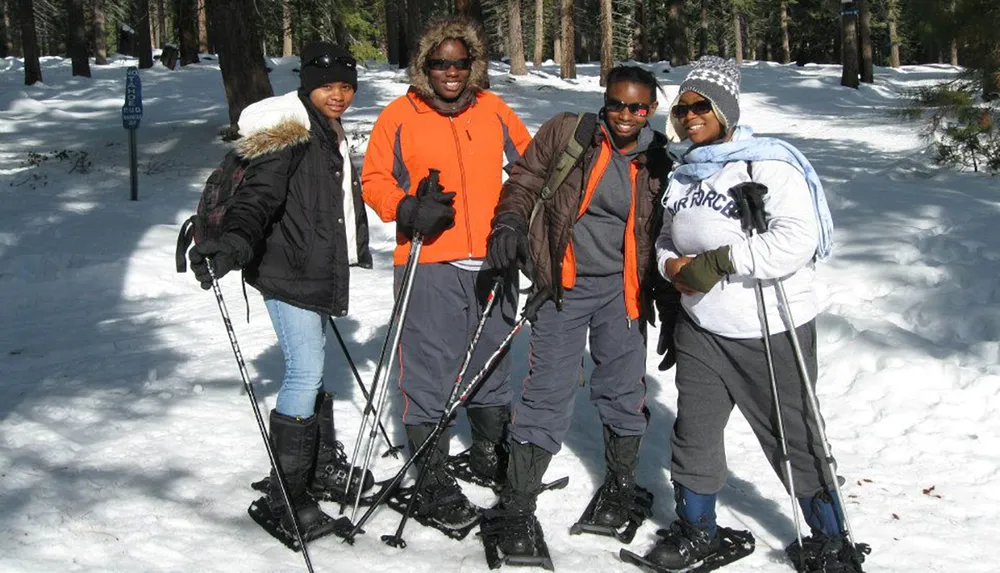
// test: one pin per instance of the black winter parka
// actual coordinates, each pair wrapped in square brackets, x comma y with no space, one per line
[291,206]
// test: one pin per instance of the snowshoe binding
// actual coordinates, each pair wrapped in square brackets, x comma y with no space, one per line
[611,520]
[450,512]
[260,512]
[822,554]
[459,467]
[368,497]
[678,546]
[515,540]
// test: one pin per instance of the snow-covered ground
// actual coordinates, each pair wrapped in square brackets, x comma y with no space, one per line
[127,442]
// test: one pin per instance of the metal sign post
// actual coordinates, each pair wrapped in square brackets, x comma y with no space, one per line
[131,115]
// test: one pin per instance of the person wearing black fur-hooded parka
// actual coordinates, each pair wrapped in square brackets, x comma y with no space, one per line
[295,227]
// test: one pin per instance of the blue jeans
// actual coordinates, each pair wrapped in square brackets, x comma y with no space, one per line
[302,336]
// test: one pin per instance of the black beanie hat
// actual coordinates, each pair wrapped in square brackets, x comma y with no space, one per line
[324,63]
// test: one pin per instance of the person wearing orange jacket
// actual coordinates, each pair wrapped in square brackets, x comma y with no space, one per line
[592,248]
[448,123]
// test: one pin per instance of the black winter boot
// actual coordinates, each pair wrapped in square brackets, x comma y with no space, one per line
[828,549]
[512,525]
[488,455]
[617,495]
[692,537]
[294,443]
[440,498]
[330,475]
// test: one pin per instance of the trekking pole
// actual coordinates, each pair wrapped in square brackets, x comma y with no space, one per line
[383,354]
[260,419]
[396,540]
[756,208]
[393,450]
[403,302]
[742,195]
[529,312]
[383,384]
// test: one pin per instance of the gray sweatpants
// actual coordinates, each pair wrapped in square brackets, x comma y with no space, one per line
[716,373]
[542,411]
[444,310]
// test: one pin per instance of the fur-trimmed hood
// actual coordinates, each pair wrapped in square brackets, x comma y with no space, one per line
[457,28]
[273,124]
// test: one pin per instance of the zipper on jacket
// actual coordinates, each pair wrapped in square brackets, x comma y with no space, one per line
[465,194]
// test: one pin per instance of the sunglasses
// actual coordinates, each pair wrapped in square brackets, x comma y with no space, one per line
[636,108]
[442,65]
[327,61]
[699,108]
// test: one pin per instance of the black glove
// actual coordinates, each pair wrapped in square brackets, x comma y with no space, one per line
[707,269]
[226,253]
[668,307]
[508,242]
[429,213]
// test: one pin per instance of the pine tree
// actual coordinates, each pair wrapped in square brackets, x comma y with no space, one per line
[29,43]
[76,40]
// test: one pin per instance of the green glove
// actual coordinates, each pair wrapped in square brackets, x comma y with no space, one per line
[707,269]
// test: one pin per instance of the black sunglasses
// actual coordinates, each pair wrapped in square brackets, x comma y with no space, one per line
[699,108]
[636,108]
[326,61]
[442,65]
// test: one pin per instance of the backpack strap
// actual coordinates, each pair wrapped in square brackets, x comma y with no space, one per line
[583,134]
[184,238]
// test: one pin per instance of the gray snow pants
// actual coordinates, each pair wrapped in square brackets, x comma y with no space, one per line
[543,409]
[444,310]
[716,373]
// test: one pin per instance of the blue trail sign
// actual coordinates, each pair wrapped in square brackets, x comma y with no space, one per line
[131,115]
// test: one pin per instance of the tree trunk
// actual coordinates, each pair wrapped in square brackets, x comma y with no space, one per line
[849,43]
[954,35]
[567,64]
[786,47]
[893,15]
[12,39]
[515,40]
[161,19]
[677,34]
[607,41]
[703,31]
[392,31]
[642,49]
[539,33]
[76,38]
[29,42]
[187,23]
[203,47]
[738,37]
[954,51]
[286,27]
[241,57]
[143,47]
[100,42]
[865,23]
[413,23]
[154,31]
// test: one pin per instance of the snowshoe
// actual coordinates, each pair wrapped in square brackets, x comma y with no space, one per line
[642,508]
[260,512]
[458,466]
[822,554]
[428,512]
[497,531]
[367,498]
[733,546]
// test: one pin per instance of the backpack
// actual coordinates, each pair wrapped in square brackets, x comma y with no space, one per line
[216,197]
[583,134]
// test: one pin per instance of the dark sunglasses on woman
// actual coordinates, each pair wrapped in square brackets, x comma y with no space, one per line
[325,61]
[636,108]
[699,108]
[442,65]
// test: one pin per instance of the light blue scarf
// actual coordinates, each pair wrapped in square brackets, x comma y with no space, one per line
[700,163]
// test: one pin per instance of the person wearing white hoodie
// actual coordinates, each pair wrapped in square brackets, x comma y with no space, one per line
[295,226]
[703,250]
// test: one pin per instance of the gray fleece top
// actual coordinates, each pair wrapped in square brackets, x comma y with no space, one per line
[599,236]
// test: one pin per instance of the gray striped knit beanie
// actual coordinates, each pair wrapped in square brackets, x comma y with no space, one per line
[717,80]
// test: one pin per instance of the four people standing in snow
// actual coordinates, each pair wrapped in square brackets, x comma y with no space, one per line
[447,122]
[590,245]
